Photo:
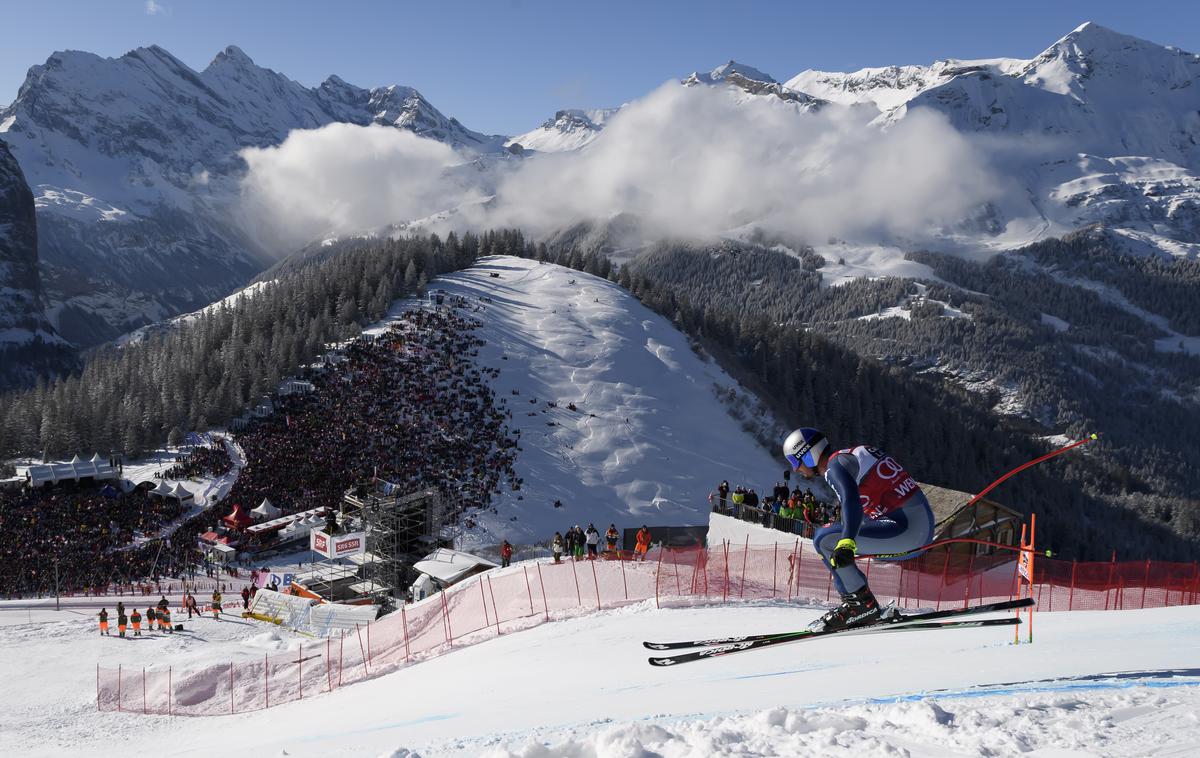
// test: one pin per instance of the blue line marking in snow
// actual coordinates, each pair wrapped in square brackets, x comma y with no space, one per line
[1058,687]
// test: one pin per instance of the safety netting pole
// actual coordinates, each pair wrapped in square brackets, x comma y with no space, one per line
[170,687]
[118,687]
[231,687]
[596,582]
[1071,594]
[725,586]
[300,664]
[542,582]
[657,574]
[362,650]
[578,594]
[267,681]
[404,623]
[528,589]
[483,599]
[745,554]
[495,610]
[328,665]
[774,566]
[143,690]
[624,581]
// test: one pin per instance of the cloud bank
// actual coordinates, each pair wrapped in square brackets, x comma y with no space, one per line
[690,161]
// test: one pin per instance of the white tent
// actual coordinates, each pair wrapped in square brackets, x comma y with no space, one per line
[76,469]
[163,489]
[449,566]
[266,510]
[181,493]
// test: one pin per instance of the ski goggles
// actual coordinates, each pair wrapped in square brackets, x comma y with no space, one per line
[806,455]
[805,458]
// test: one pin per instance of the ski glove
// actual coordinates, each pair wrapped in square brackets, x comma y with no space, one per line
[843,554]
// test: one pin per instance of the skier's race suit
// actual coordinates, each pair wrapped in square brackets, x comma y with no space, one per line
[883,511]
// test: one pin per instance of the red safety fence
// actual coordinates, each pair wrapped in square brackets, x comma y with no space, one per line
[533,592]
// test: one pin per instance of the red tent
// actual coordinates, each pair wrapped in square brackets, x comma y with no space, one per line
[238,519]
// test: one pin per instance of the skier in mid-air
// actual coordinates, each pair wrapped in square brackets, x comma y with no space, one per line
[883,509]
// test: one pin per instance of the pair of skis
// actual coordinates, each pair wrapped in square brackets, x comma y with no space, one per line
[714,648]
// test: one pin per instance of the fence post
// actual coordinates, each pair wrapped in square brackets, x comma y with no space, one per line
[624,581]
[170,687]
[144,689]
[404,622]
[1145,583]
[366,669]
[1071,595]
[774,566]
[341,656]
[675,565]
[371,660]
[231,687]
[1108,586]
[300,662]
[657,573]
[578,594]
[267,680]
[545,602]
[97,685]
[596,581]
[118,687]
[970,573]
[942,586]
[725,588]
[745,554]
[528,589]
[329,664]
[495,610]
[445,618]
[482,597]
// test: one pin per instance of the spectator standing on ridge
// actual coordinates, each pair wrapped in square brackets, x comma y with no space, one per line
[580,540]
[610,540]
[506,551]
[570,542]
[104,621]
[245,598]
[592,537]
[122,620]
[643,543]
[136,619]
[556,547]
[723,493]
[150,619]
[164,616]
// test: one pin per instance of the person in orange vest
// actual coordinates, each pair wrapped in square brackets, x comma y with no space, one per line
[164,619]
[216,604]
[104,621]
[643,543]
[135,618]
[610,540]
[122,619]
[150,618]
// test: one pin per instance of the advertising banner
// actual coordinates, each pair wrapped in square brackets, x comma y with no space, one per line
[338,545]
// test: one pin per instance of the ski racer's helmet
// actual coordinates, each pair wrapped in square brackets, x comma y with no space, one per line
[804,446]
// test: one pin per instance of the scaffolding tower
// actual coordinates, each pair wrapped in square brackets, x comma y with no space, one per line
[401,530]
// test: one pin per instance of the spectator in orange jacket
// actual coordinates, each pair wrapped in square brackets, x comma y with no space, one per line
[643,543]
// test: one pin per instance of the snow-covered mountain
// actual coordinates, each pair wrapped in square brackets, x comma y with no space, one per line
[134,167]
[569,129]
[752,82]
[28,343]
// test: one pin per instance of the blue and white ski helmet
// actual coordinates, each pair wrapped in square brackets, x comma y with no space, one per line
[804,445]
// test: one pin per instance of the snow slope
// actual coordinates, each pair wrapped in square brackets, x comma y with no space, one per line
[1102,683]
[650,438]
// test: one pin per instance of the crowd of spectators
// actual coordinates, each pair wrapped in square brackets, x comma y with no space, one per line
[90,535]
[407,407]
[209,460]
[795,511]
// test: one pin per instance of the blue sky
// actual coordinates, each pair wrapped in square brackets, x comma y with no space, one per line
[504,66]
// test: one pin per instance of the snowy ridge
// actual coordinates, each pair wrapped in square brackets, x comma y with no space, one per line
[134,166]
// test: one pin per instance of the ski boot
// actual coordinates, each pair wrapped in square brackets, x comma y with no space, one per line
[857,609]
